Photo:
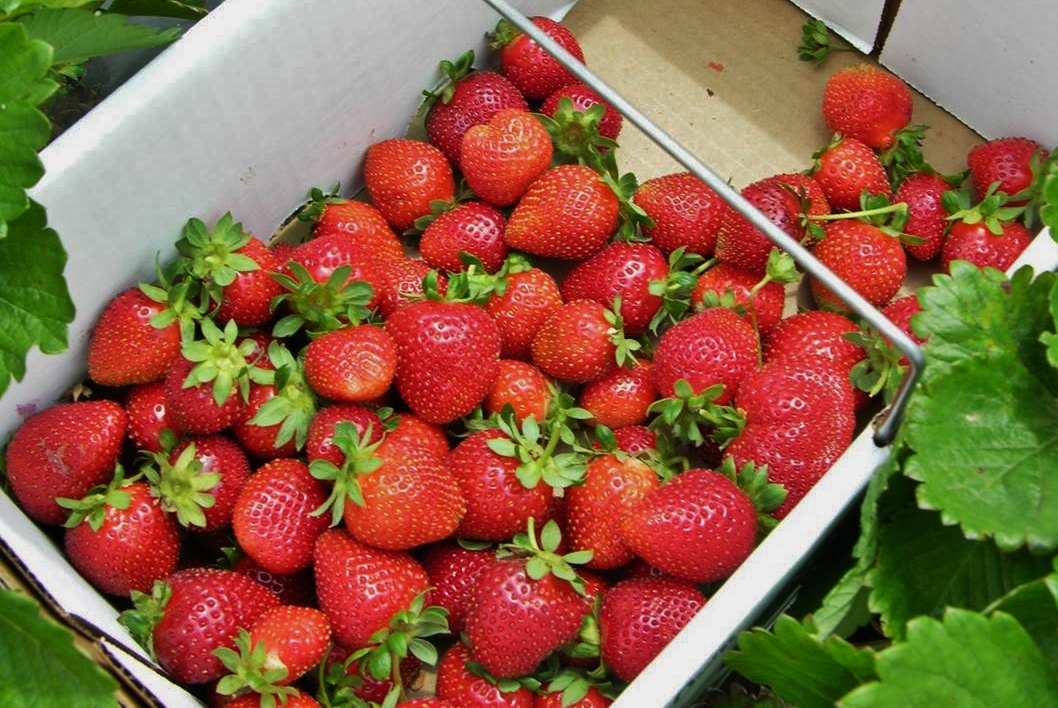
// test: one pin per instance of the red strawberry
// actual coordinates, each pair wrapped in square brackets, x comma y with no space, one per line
[194,409]
[293,589]
[474,228]
[926,216]
[582,97]
[523,387]
[286,638]
[359,222]
[807,190]
[612,485]
[620,398]
[468,98]
[639,617]
[361,588]
[124,326]
[865,257]
[740,243]
[296,699]
[900,311]
[575,343]
[145,406]
[815,333]
[275,421]
[977,244]
[1007,161]
[274,520]
[120,539]
[556,699]
[351,365]
[634,439]
[452,570]
[866,102]
[447,357]
[402,281]
[411,432]
[685,211]
[456,683]
[727,285]
[621,270]
[502,157]
[712,347]
[426,702]
[845,169]
[63,451]
[528,297]
[198,611]
[567,212]
[529,67]
[326,305]
[403,176]
[320,445]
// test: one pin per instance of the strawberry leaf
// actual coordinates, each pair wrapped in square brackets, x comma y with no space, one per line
[79,34]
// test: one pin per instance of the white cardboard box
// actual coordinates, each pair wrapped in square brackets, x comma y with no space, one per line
[266,98]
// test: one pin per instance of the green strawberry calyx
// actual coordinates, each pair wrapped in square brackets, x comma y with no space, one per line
[220,359]
[319,308]
[318,203]
[541,554]
[576,138]
[993,209]
[753,480]
[536,444]
[294,404]
[693,417]
[181,486]
[253,668]
[211,258]
[360,459]
[675,289]
[452,72]
[147,611]
[92,508]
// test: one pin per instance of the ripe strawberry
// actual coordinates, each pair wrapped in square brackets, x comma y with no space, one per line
[199,480]
[466,99]
[275,421]
[447,357]
[712,347]
[567,212]
[926,216]
[529,67]
[1007,161]
[815,333]
[740,243]
[698,526]
[727,285]
[403,176]
[297,699]
[322,299]
[402,280]
[900,311]
[320,444]
[978,244]
[575,343]
[411,432]
[192,614]
[635,439]
[293,589]
[120,539]
[523,387]
[274,520]
[621,270]
[498,504]
[145,406]
[359,222]
[620,398]
[845,169]
[685,211]
[457,684]
[351,365]
[361,588]
[280,647]
[502,157]
[583,97]
[807,190]
[452,570]
[869,260]
[63,451]
[126,325]
[524,607]
[528,296]
[612,485]
[866,102]
[556,699]
[474,228]
[639,617]
[194,409]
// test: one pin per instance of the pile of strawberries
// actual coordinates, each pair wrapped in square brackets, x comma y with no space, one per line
[522,456]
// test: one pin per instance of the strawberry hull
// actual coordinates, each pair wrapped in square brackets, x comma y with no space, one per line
[256,105]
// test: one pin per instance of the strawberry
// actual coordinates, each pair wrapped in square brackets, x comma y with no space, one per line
[414,434]
[523,387]
[447,357]
[577,343]
[63,451]
[524,299]
[457,684]
[635,439]
[620,398]
[759,301]
[293,589]
[426,702]
[740,243]
[612,485]
[900,311]
[120,538]
[467,98]
[567,212]
[524,605]
[845,169]
[639,617]
[199,480]
[403,176]
[685,211]
[816,333]
[147,415]
[320,444]
[980,245]
[593,698]
[452,569]
[1008,161]
[297,699]
[865,102]
[351,365]
[698,526]
[869,260]
[129,323]
[361,588]
[713,347]
[498,504]
[273,518]
[402,280]
[191,614]
[528,66]
[275,421]
[807,190]
[926,216]
[473,228]
[195,409]
[582,97]
[360,222]
[622,270]
[502,157]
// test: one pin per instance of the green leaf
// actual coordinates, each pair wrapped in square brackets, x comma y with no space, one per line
[78,35]
[800,668]
[965,660]
[35,304]
[24,63]
[1035,606]
[160,8]
[41,666]
[924,567]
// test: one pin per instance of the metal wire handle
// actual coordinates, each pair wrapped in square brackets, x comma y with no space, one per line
[889,420]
